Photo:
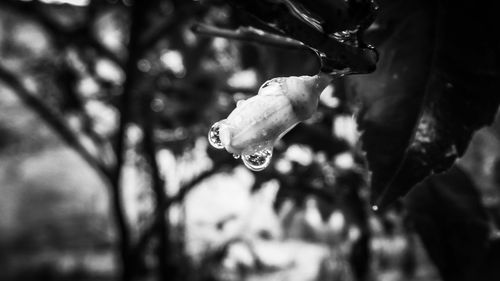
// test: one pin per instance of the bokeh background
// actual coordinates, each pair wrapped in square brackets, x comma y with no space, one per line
[106,172]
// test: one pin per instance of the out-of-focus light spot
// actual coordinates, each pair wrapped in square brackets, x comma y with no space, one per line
[134,182]
[179,133]
[268,191]
[354,233]
[105,118]
[88,87]
[32,37]
[300,154]
[134,134]
[157,105]
[75,61]
[167,165]
[220,44]
[239,254]
[243,79]
[173,61]
[344,127]
[74,122]
[144,65]
[223,100]
[80,3]
[286,209]
[189,37]
[495,235]
[321,157]
[30,84]
[312,216]
[344,160]
[110,31]
[175,214]
[336,222]
[283,166]
[375,226]
[374,26]
[109,71]
[327,97]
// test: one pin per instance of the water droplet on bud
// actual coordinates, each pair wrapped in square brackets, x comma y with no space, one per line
[214,136]
[236,156]
[258,160]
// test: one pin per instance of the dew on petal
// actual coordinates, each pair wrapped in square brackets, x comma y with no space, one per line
[236,156]
[214,136]
[258,160]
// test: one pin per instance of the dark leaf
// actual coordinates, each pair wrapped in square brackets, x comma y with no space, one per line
[447,213]
[340,15]
[436,83]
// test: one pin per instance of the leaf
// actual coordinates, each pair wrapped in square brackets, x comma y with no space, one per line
[436,83]
[448,215]
[339,15]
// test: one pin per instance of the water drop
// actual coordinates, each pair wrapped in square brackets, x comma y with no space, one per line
[236,156]
[375,208]
[258,160]
[214,136]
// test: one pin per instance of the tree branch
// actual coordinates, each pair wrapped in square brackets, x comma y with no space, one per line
[250,34]
[53,121]
[125,111]
[162,221]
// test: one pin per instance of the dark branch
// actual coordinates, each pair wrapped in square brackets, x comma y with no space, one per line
[250,34]
[150,149]
[54,121]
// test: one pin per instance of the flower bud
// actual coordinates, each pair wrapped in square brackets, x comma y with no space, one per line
[257,123]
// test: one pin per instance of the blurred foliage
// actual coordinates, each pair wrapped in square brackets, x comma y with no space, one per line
[132,90]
